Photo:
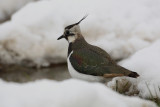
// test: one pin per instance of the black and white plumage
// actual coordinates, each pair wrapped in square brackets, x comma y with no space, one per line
[90,62]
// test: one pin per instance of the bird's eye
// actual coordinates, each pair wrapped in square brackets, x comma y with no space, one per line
[67,32]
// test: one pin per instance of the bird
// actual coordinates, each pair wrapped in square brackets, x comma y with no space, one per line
[89,62]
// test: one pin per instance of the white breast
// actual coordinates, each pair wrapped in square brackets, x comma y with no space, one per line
[78,75]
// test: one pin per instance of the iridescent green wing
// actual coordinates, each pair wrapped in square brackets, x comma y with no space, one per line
[89,62]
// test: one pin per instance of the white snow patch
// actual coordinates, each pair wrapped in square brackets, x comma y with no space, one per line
[120,27]
[146,63]
[70,93]
[8,7]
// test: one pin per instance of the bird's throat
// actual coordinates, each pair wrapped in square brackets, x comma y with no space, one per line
[70,48]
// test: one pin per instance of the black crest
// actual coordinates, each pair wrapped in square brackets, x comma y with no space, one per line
[70,26]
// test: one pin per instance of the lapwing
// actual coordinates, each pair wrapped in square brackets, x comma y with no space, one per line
[89,62]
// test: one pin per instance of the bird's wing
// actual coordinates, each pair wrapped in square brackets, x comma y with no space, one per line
[103,53]
[89,62]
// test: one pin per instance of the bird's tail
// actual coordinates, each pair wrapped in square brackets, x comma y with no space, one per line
[133,74]
[128,73]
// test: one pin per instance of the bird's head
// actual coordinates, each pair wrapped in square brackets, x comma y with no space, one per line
[72,32]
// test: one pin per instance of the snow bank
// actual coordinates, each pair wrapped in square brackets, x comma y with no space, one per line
[70,93]
[120,27]
[146,63]
[8,7]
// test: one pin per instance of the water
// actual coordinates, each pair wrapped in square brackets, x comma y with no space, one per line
[22,74]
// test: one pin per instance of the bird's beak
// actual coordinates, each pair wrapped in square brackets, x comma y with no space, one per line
[61,37]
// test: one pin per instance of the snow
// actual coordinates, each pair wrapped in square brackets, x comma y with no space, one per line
[120,27]
[69,93]
[146,63]
[126,29]
[8,7]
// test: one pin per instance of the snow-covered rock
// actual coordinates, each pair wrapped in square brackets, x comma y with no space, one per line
[69,93]
[120,27]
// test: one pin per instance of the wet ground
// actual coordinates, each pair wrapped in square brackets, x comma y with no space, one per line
[19,73]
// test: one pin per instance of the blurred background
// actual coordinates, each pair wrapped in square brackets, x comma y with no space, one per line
[129,30]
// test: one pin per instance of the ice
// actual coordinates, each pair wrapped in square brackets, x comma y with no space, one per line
[69,93]
[120,27]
